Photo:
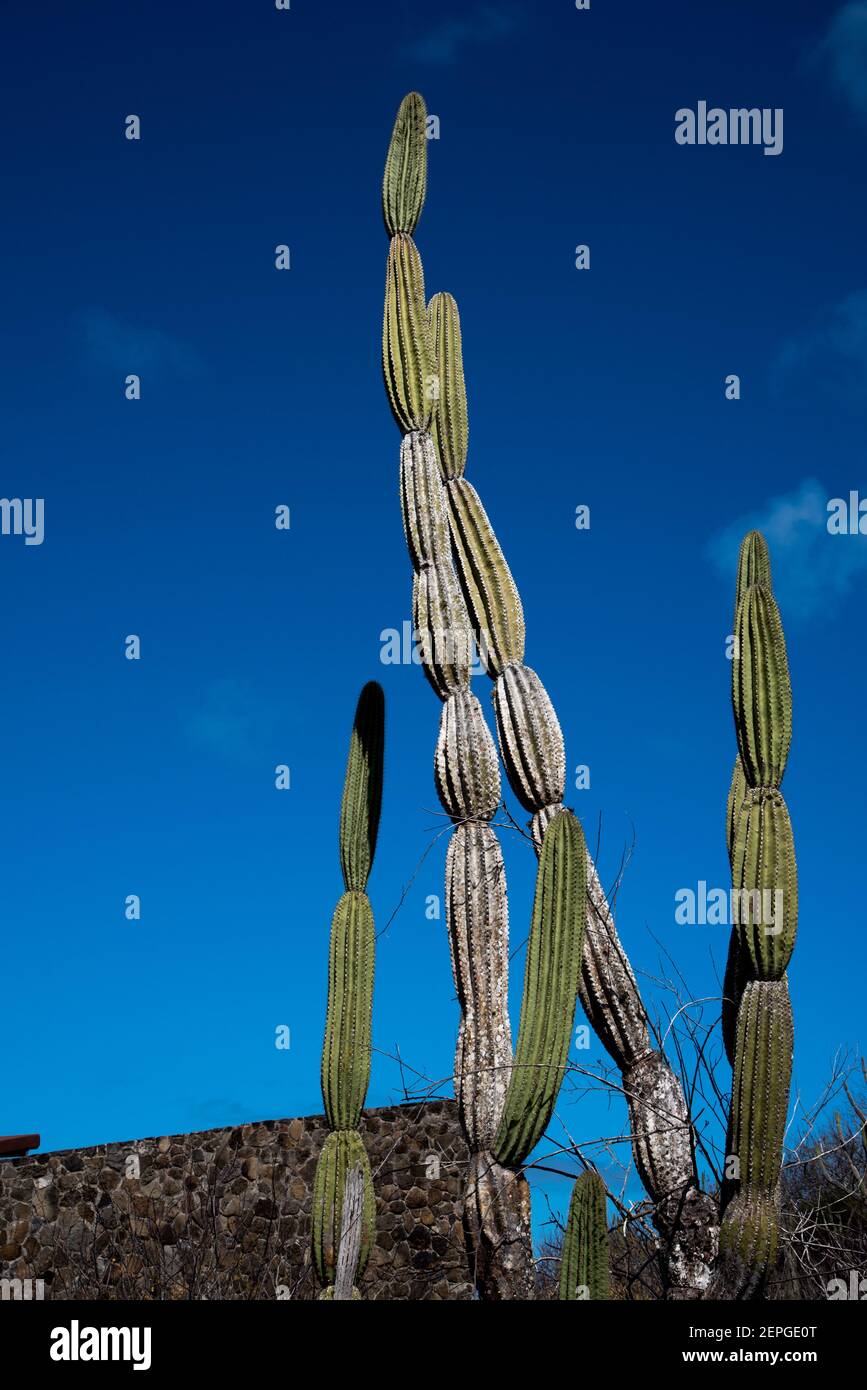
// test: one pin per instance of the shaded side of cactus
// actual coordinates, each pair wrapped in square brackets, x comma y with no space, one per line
[451,430]
[405,177]
[342,1151]
[760,1093]
[346,1053]
[749,1237]
[761,689]
[765,882]
[551,978]
[362,789]
[584,1270]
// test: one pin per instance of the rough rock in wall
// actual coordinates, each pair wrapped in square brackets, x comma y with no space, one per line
[225,1213]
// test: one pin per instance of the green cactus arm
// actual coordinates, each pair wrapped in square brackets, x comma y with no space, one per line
[762,1074]
[761,689]
[407,351]
[492,595]
[765,882]
[362,789]
[405,178]
[347,1047]
[584,1271]
[551,981]
[754,565]
[342,1150]
[737,791]
[451,430]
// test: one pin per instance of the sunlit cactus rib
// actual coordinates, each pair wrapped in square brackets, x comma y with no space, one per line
[478,925]
[761,689]
[346,1054]
[451,429]
[342,1150]
[346,1050]
[551,978]
[531,741]
[754,565]
[494,599]
[407,351]
[466,769]
[423,504]
[584,1268]
[405,177]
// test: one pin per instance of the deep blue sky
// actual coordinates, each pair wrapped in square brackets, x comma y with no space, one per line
[263,387]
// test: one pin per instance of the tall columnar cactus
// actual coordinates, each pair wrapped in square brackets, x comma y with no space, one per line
[347,1046]
[757,1014]
[532,750]
[504,1109]
[584,1272]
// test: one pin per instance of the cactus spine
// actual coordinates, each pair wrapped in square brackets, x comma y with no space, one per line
[532,750]
[584,1266]
[757,1015]
[347,1045]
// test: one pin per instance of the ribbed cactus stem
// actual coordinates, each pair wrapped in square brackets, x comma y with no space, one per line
[765,882]
[346,1054]
[342,1151]
[761,690]
[584,1269]
[758,1030]
[493,595]
[531,740]
[551,979]
[466,769]
[346,1050]
[407,350]
[754,565]
[478,925]
[451,426]
[405,177]
[362,789]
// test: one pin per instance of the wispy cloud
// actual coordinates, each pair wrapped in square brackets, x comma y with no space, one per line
[109,342]
[843,55]
[812,570]
[481,24]
[232,720]
[831,357]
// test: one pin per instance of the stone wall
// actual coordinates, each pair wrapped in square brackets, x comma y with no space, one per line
[225,1213]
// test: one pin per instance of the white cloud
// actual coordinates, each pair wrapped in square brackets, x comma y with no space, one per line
[442,43]
[843,54]
[831,357]
[812,571]
[111,343]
